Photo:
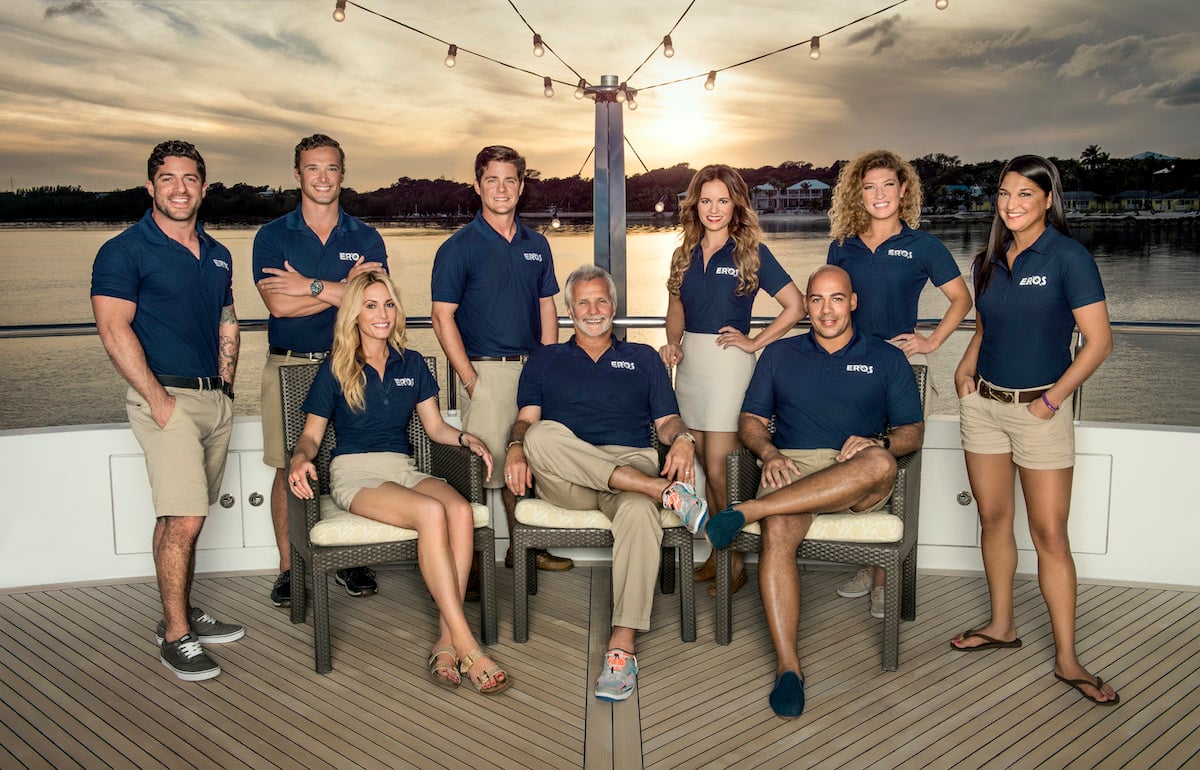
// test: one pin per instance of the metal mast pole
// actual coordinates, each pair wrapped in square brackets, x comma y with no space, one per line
[608,188]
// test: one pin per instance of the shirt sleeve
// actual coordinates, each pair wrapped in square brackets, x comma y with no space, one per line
[449,278]
[1081,278]
[529,387]
[834,255]
[939,263]
[324,393]
[662,395]
[266,253]
[771,275]
[549,284]
[375,250]
[427,386]
[115,273]
[760,394]
[904,401]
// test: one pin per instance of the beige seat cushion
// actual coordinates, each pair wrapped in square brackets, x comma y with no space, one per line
[877,527]
[338,527]
[539,513]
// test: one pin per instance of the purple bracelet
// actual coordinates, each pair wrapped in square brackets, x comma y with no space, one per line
[1049,405]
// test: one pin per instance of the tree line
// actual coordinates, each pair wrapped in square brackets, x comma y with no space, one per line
[947,182]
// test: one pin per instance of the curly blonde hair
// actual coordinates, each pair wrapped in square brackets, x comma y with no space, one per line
[847,214]
[347,361]
[743,228]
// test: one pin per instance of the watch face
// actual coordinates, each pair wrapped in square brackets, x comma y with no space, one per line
[317,287]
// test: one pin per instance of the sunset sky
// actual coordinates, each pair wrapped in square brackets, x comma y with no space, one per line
[89,86]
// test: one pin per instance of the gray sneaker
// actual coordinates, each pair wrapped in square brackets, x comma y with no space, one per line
[208,630]
[857,586]
[877,602]
[619,678]
[187,659]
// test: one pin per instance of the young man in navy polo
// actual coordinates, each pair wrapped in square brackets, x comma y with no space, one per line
[582,432]
[162,294]
[846,406]
[493,288]
[301,262]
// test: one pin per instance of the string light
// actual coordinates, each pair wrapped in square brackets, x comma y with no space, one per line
[539,49]
[668,47]
[547,87]
[814,48]
[555,222]
[711,83]
[451,55]
[581,89]
[660,205]
[339,10]
[621,95]
[941,5]
[632,100]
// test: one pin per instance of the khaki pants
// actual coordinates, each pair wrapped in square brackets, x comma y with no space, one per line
[491,412]
[571,473]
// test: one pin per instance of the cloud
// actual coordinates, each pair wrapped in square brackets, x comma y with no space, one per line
[291,45]
[883,33]
[1183,91]
[1093,59]
[86,8]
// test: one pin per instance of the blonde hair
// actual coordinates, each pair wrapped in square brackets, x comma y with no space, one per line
[743,228]
[847,214]
[347,360]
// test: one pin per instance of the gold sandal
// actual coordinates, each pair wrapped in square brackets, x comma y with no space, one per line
[446,676]
[480,681]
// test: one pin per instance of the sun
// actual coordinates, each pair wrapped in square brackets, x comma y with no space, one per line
[674,124]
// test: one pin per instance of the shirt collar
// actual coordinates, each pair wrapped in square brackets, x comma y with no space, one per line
[808,343]
[294,220]
[155,235]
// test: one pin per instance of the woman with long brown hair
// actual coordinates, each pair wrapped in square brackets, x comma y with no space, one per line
[369,387]
[715,275]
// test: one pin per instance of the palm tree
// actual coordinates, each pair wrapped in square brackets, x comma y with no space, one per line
[1093,157]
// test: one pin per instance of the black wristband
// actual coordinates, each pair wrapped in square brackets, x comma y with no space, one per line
[460,438]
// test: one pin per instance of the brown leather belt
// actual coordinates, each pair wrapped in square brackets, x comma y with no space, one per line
[1007,396]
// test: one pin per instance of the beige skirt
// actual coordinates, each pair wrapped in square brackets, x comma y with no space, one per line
[710,383]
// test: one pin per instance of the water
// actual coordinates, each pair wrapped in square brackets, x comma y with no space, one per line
[1151,272]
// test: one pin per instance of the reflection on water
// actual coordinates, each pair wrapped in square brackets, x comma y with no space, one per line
[1150,273]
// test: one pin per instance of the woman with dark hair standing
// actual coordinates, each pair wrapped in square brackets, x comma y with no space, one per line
[1033,285]
[369,386]
[873,220]
[714,278]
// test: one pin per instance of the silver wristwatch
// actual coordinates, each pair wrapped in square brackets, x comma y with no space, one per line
[317,286]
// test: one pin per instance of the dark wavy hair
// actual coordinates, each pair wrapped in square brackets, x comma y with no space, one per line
[174,148]
[501,154]
[315,141]
[1045,175]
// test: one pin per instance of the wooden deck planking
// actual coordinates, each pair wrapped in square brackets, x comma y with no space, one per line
[698,704]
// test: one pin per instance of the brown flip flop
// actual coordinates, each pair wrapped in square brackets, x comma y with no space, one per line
[989,643]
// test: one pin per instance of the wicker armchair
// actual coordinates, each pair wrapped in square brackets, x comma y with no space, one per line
[590,529]
[898,558]
[379,543]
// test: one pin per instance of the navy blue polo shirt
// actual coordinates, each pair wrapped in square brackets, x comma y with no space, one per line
[382,426]
[1027,314]
[889,280]
[709,295]
[821,399]
[497,286]
[179,297]
[290,238]
[610,401]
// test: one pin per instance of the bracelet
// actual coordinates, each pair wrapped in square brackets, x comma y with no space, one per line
[1049,405]
[467,385]
[460,438]
[513,443]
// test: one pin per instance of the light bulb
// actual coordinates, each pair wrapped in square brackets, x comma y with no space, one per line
[547,87]
[451,55]
[579,90]
[632,102]
[339,10]
[659,206]
[538,48]
[668,47]
[941,5]
[554,222]
[711,83]
[621,94]
[814,49]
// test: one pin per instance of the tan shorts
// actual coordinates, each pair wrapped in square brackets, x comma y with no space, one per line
[350,474]
[811,461]
[491,412]
[272,408]
[991,427]
[710,383]
[185,459]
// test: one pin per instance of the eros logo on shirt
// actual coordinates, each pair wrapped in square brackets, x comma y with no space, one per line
[726,271]
[900,253]
[1033,280]
[623,365]
[533,256]
[864,368]
[404,382]
[222,264]
[349,256]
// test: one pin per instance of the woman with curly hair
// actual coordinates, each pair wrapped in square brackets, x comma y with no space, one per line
[874,217]
[1033,286]
[369,387]
[713,280]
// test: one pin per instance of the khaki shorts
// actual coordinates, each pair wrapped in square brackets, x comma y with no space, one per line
[272,408]
[185,459]
[991,427]
[711,383]
[491,412]
[811,461]
[350,474]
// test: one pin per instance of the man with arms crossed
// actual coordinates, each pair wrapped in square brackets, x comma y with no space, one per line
[846,406]
[162,294]
[493,290]
[583,432]
[301,262]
